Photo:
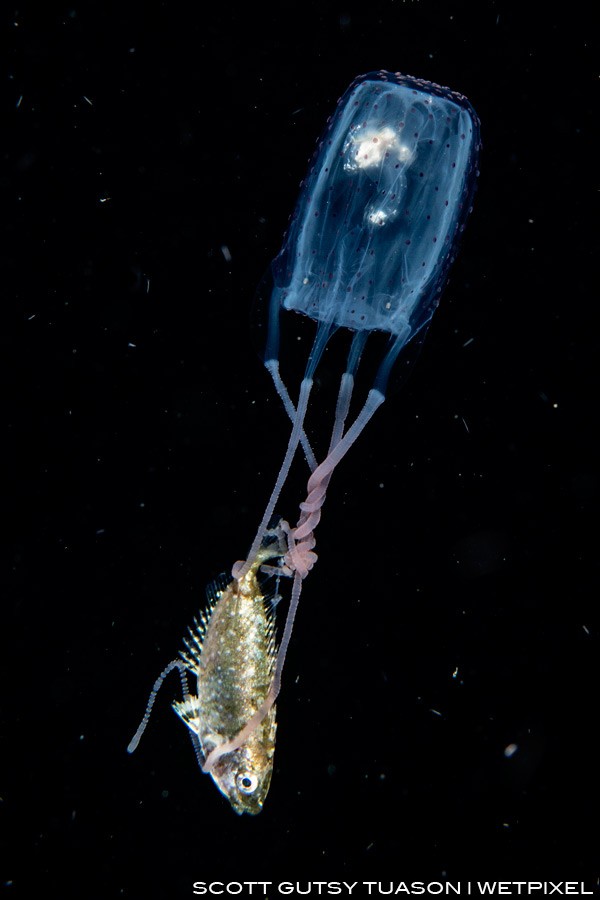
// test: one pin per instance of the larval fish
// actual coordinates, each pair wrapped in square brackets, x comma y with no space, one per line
[231,651]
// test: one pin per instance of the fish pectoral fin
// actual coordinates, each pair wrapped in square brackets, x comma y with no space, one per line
[189,711]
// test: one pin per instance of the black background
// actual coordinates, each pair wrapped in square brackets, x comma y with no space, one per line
[141,437]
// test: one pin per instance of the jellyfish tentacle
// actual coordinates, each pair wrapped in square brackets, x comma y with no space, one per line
[272,367]
[324,332]
[181,667]
[301,557]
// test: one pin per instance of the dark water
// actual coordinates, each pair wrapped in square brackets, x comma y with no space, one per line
[151,158]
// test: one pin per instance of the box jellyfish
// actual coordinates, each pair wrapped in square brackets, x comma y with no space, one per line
[374,232]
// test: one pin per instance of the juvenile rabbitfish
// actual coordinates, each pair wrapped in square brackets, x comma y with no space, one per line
[231,650]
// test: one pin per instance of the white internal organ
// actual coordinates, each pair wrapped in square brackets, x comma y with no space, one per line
[377,217]
[372,146]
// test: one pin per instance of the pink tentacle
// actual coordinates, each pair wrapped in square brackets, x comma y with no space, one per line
[312,507]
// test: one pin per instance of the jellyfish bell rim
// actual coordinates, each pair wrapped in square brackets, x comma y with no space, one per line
[421,85]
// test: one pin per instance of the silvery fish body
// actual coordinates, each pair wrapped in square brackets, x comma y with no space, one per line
[231,651]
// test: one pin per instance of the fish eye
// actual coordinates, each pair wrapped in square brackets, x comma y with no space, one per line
[247,782]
